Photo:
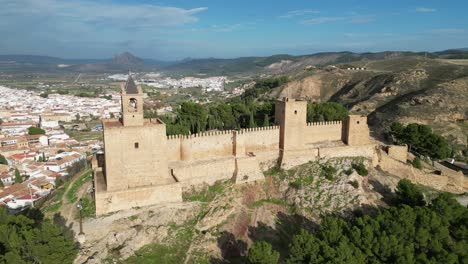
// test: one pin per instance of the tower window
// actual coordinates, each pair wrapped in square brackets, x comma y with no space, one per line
[137,145]
[295,112]
[358,122]
[132,105]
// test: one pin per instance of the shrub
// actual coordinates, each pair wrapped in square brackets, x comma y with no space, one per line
[262,253]
[409,193]
[417,163]
[36,131]
[360,169]
[328,171]
[355,184]
[348,171]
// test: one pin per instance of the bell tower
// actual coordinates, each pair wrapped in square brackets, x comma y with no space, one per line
[132,103]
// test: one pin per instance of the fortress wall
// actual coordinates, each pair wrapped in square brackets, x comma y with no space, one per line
[207,145]
[398,152]
[260,139]
[173,148]
[112,201]
[267,159]
[200,172]
[323,131]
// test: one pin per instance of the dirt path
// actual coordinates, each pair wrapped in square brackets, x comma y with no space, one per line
[69,209]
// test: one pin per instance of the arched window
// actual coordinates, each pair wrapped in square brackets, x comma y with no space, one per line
[132,105]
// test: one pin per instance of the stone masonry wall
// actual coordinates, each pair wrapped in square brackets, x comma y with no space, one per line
[323,131]
[260,139]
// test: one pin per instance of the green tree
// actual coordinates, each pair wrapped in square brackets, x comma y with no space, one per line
[422,139]
[18,178]
[28,238]
[266,121]
[1,184]
[409,193]
[252,121]
[403,234]
[36,131]
[3,160]
[262,253]
[328,111]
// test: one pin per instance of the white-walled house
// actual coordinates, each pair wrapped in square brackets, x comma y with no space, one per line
[61,161]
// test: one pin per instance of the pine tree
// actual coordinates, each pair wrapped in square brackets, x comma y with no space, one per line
[262,253]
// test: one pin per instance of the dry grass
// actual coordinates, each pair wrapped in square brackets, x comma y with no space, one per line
[457,62]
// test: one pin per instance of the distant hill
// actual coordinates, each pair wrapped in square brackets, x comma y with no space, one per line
[276,64]
[285,64]
[34,63]
[396,89]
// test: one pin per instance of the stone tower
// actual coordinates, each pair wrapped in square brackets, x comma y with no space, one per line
[356,131]
[135,148]
[132,103]
[291,116]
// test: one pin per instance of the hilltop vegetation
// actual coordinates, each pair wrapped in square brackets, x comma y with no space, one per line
[252,109]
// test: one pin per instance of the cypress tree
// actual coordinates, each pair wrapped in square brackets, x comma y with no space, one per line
[266,121]
[18,178]
[252,121]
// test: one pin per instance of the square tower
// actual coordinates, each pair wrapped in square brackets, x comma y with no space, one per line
[291,116]
[356,130]
[135,148]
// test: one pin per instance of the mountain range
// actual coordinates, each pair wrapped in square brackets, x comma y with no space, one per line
[207,66]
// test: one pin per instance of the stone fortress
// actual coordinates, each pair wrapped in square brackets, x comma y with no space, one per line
[142,166]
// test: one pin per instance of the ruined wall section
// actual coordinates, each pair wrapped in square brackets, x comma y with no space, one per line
[450,183]
[323,131]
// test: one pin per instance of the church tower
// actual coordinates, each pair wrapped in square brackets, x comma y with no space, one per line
[132,103]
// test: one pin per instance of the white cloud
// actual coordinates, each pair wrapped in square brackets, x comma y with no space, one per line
[225,28]
[90,12]
[350,19]
[321,20]
[300,12]
[425,10]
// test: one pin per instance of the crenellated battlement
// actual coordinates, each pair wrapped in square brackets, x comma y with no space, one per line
[257,129]
[222,132]
[201,134]
[325,123]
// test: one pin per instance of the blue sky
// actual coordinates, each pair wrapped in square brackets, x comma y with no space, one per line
[176,29]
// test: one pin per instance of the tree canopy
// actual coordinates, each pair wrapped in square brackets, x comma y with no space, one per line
[328,111]
[414,233]
[249,110]
[28,238]
[36,131]
[422,139]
